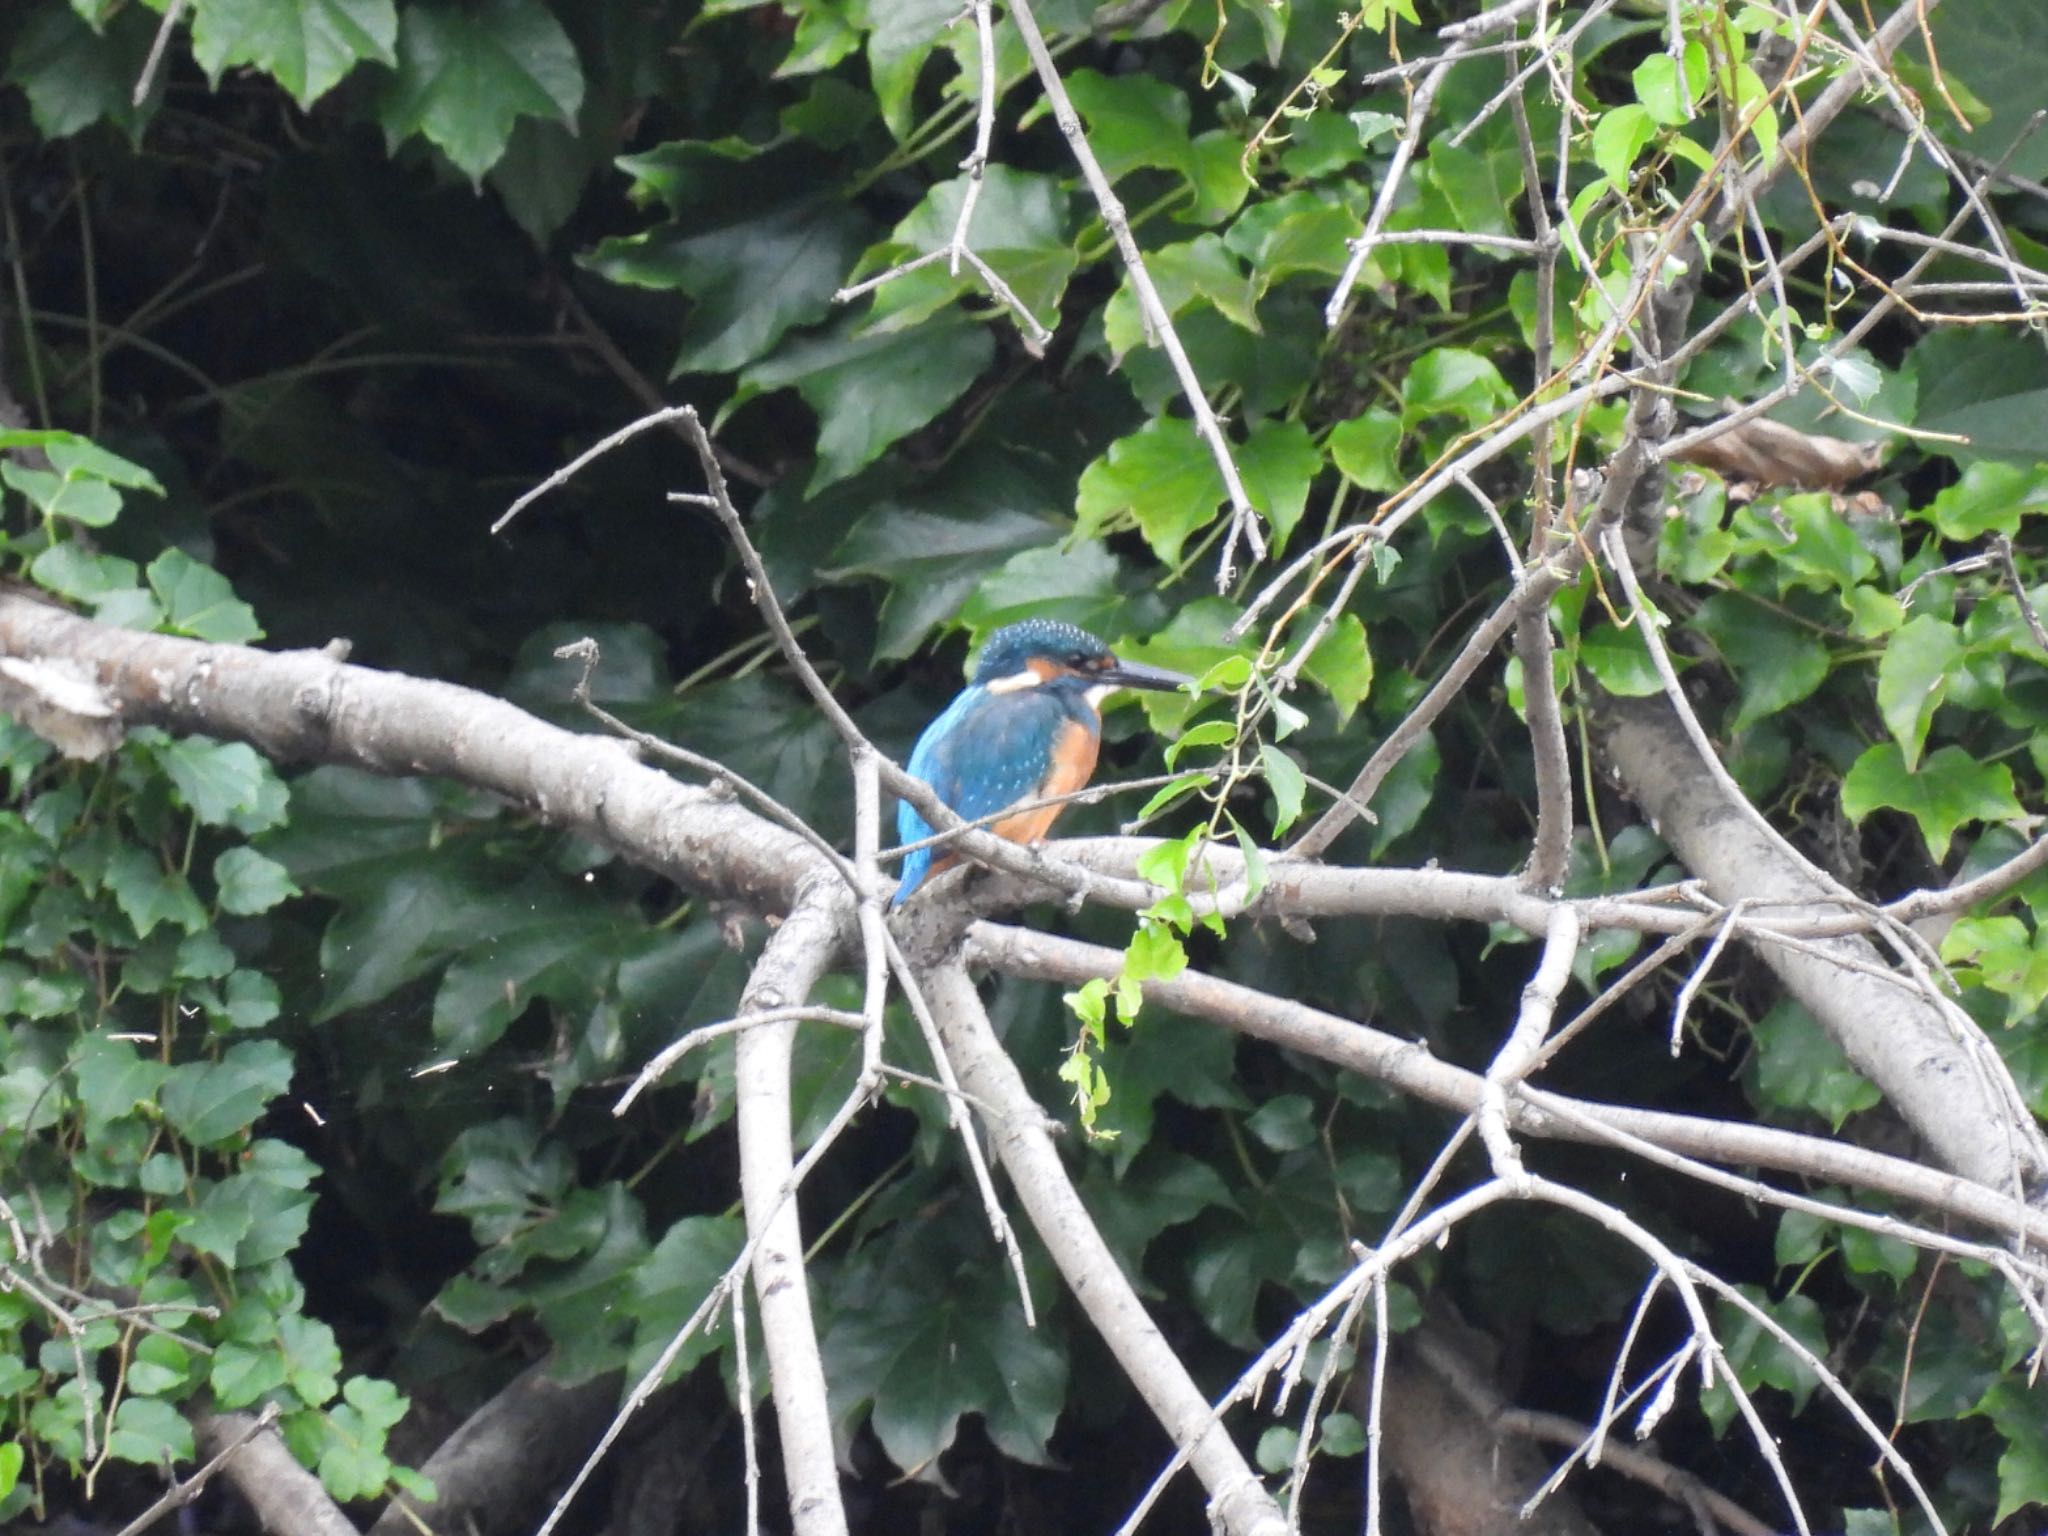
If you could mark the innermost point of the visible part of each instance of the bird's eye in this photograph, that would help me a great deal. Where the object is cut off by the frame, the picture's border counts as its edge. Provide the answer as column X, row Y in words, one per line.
column 1081, row 661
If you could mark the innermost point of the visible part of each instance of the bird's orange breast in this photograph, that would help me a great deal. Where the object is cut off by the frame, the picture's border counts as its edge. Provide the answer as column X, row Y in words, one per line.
column 1073, row 763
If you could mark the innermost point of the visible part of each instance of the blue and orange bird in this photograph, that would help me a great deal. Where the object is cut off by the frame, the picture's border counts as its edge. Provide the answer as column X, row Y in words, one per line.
column 1025, row 729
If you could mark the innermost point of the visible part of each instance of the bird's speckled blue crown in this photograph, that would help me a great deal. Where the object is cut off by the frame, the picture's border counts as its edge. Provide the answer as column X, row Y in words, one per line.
column 1014, row 644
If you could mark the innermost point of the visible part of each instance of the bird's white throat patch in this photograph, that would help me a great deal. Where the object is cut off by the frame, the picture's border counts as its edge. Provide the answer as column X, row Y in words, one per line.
column 1098, row 693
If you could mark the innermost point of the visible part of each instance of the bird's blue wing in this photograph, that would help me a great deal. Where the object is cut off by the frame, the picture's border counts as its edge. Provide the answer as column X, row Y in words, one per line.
column 986, row 752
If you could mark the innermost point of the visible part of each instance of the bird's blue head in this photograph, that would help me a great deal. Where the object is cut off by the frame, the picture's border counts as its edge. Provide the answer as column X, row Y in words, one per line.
column 1047, row 653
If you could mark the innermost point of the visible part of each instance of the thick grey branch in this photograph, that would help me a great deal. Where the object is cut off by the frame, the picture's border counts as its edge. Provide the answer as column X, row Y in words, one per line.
column 493, row 1471
column 1959, row 1099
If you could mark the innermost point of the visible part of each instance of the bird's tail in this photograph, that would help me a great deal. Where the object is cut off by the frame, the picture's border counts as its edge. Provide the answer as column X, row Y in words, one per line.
column 915, row 867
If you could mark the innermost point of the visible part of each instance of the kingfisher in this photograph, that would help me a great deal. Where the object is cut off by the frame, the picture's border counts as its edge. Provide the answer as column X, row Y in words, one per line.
column 1025, row 729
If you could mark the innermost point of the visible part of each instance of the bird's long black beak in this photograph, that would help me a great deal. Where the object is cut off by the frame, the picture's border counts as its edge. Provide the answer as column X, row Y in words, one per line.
column 1135, row 674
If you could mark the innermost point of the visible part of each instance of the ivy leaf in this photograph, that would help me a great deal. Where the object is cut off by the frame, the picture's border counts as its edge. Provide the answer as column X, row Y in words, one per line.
column 1949, row 789
column 148, row 894
column 73, row 76
column 1776, row 662
column 1799, row 1067
column 2015, row 1409
column 217, row 780
column 672, row 1282
column 1454, row 381
column 466, row 74
column 1299, row 232
column 1619, row 661
column 871, row 390
column 249, row 883
column 198, row 601
column 905, row 33
column 113, row 1079
column 72, row 572
column 1342, row 666
column 1912, row 678
column 83, row 499
column 1019, row 229
column 1367, row 450
column 1991, row 497
column 209, row 1102
column 1134, row 121
column 1162, row 477
column 151, row 1432
column 1285, row 779
column 752, row 281
column 250, row 1000
column 1278, row 463
column 1285, row 1123
column 924, row 1355
column 1618, row 138
column 306, row 45
column 1990, row 390
column 1203, row 269
column 1756, row 1356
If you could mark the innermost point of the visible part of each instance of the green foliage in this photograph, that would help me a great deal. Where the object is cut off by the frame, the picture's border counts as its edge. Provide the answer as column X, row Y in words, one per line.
column 435, row 248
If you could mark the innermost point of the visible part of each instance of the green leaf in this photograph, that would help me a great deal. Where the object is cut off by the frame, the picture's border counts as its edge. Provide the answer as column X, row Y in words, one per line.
column 1289, row 788
column 871, row 390
column 219, row 781
column 249, row 883
column 70, row 571
column 924, row 1354
column 209, row 1102
column 672, row 1282
column 198, row 601
column 1991, row 497
column 2015, row 1409
column 1138, row 120
column 1669, row 97
column 250, row 1000
column 1454, row 381
column 1756, row 1356
column 148, row 894
column 905, row 33
column 1279, row 463
column 1989, row 389
column 1618, row 138
column 1799, row 1067
column 1619, row 661
column 114, row 1079
column 73, row 76
column 1776, row 662
column 1203, row 270
column 150, row 1432
column 752, row 281
column 1950, row 789
column 1912, row 678
column 307, row 45
column 86, row 500
column 1154, row 954
column 1286, row 1123
column 1020, row 228
column 1298, row 232
column 1162, row 477
column 466, row 74
column 1342, row 666
column 1367, row 450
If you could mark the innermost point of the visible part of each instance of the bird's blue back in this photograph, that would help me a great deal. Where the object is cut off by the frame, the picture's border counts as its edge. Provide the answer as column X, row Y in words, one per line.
column 988, row 751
